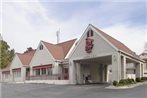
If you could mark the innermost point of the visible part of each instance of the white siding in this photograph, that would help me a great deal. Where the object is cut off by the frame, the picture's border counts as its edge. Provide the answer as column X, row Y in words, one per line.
column 41, row 57
column 100, row 47
column 16, row 63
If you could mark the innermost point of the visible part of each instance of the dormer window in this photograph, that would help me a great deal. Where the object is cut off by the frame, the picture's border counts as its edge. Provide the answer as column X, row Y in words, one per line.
column 41, row 47
column 90, row 33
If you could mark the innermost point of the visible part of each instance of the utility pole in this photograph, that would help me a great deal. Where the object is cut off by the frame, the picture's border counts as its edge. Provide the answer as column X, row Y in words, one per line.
column 58, row 36
column 145, row 47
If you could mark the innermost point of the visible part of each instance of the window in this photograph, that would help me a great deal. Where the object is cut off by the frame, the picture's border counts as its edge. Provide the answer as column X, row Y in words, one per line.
column 66, row 70
column 7, row 76
column 17, row 74
column 49, row 71
column 37, row 72
column 87, row 34
column 90, row 33
column 43, row 71
column 134, row 71
column 41, row 47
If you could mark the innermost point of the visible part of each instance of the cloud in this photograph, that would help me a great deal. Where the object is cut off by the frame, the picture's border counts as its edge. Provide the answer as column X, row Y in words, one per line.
column 19, row 29
column 25, row 23
column 133, row 37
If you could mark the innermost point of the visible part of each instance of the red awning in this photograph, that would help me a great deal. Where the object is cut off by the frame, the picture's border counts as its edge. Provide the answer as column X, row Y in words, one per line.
column 42, row 66
column 6, row 72
column 17, row 69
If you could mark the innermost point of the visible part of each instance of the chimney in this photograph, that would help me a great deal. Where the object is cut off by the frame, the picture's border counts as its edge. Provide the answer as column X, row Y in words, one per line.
column 29, row 49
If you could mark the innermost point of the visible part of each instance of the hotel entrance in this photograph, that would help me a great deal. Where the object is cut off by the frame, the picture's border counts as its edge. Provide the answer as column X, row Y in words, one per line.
column 91, row 71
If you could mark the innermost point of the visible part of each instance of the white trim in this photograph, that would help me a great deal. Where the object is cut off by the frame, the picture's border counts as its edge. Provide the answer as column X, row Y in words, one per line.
column 78, row 42
column 36, row 52
column 130, row 58
column 97, row 56
column 104, row 38
column 13, row 61
column 71, row 49
column 48, row 51
column 91, row 27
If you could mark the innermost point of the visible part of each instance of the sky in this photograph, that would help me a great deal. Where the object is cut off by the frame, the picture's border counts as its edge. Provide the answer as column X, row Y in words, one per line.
column 25, row 22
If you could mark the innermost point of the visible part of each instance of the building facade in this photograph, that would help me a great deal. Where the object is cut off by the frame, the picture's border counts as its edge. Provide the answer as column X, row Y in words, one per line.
column 95, row 58
column 102, row 58
column 144, row 57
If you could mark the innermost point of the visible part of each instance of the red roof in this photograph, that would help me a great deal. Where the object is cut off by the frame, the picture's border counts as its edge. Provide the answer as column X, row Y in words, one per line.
column 117, row 43
column 59, row 51
column 26, row 57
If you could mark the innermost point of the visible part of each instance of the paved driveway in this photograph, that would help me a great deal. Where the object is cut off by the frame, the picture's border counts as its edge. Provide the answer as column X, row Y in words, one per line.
column 54, row 91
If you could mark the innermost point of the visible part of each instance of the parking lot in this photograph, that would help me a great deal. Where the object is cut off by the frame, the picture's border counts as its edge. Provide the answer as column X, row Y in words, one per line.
column 77, row 91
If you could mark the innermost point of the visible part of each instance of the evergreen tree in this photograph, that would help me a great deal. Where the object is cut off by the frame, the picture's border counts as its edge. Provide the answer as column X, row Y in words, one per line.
column 6, row 54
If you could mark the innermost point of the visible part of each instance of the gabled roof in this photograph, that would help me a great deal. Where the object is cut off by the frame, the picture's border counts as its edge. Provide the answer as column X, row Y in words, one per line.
column 59, row 51
column 26, row 57
column 116, row 43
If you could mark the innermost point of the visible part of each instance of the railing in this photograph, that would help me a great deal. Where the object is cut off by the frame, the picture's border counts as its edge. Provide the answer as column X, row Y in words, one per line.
column 49, row 77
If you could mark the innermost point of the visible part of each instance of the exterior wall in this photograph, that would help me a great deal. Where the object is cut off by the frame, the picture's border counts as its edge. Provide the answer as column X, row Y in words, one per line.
column 109, row 77
column 100, row 47
column 16, row 63
column 16, row 76
column 41, row 57
column 58, row 82
column 130, row 71
column 144, row 57
column 131, row 74
column 93, row 70
column 6, row 77
column 116, row 67
column 0, row 76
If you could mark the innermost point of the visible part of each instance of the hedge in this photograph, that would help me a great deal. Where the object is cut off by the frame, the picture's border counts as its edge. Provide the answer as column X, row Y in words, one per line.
column 123, row 82
column 144, row 78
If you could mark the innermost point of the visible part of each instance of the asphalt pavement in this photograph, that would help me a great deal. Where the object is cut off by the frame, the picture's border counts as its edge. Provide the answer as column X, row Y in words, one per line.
column 70, row 91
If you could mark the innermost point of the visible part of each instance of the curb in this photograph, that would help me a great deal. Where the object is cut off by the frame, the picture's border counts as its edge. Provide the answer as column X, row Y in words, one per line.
column 126, row 87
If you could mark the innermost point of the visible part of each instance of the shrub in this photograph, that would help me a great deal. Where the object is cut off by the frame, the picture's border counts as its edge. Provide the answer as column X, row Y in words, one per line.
column 138, row 79
column 144, row 78
column 123, row 82
column 130, row 81
column 133, row 80
column 115, row 83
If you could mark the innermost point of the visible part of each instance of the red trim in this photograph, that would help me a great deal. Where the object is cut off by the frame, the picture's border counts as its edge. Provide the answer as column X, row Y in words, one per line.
column 17, row 69
column 6, row 72
column 42, row 66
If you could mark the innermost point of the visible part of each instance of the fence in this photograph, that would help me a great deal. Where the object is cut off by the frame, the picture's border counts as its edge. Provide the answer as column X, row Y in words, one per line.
column 49, row 77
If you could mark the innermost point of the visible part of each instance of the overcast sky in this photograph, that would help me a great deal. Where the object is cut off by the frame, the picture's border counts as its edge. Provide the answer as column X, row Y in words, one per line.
column 25, row 23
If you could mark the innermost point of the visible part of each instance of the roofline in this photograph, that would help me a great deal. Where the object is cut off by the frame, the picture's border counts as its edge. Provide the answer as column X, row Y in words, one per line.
column 131, row 56
column 66, row 41
column 115, row 46
column 78, row 42
column 96, row 30
column 41, row 42
column 70, row 51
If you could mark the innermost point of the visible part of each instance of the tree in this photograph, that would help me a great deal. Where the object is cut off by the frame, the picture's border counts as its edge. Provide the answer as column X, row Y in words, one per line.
column 6, row 54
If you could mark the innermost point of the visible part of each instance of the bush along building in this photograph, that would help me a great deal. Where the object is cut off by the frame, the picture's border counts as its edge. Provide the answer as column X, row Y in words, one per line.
column 95, row 58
